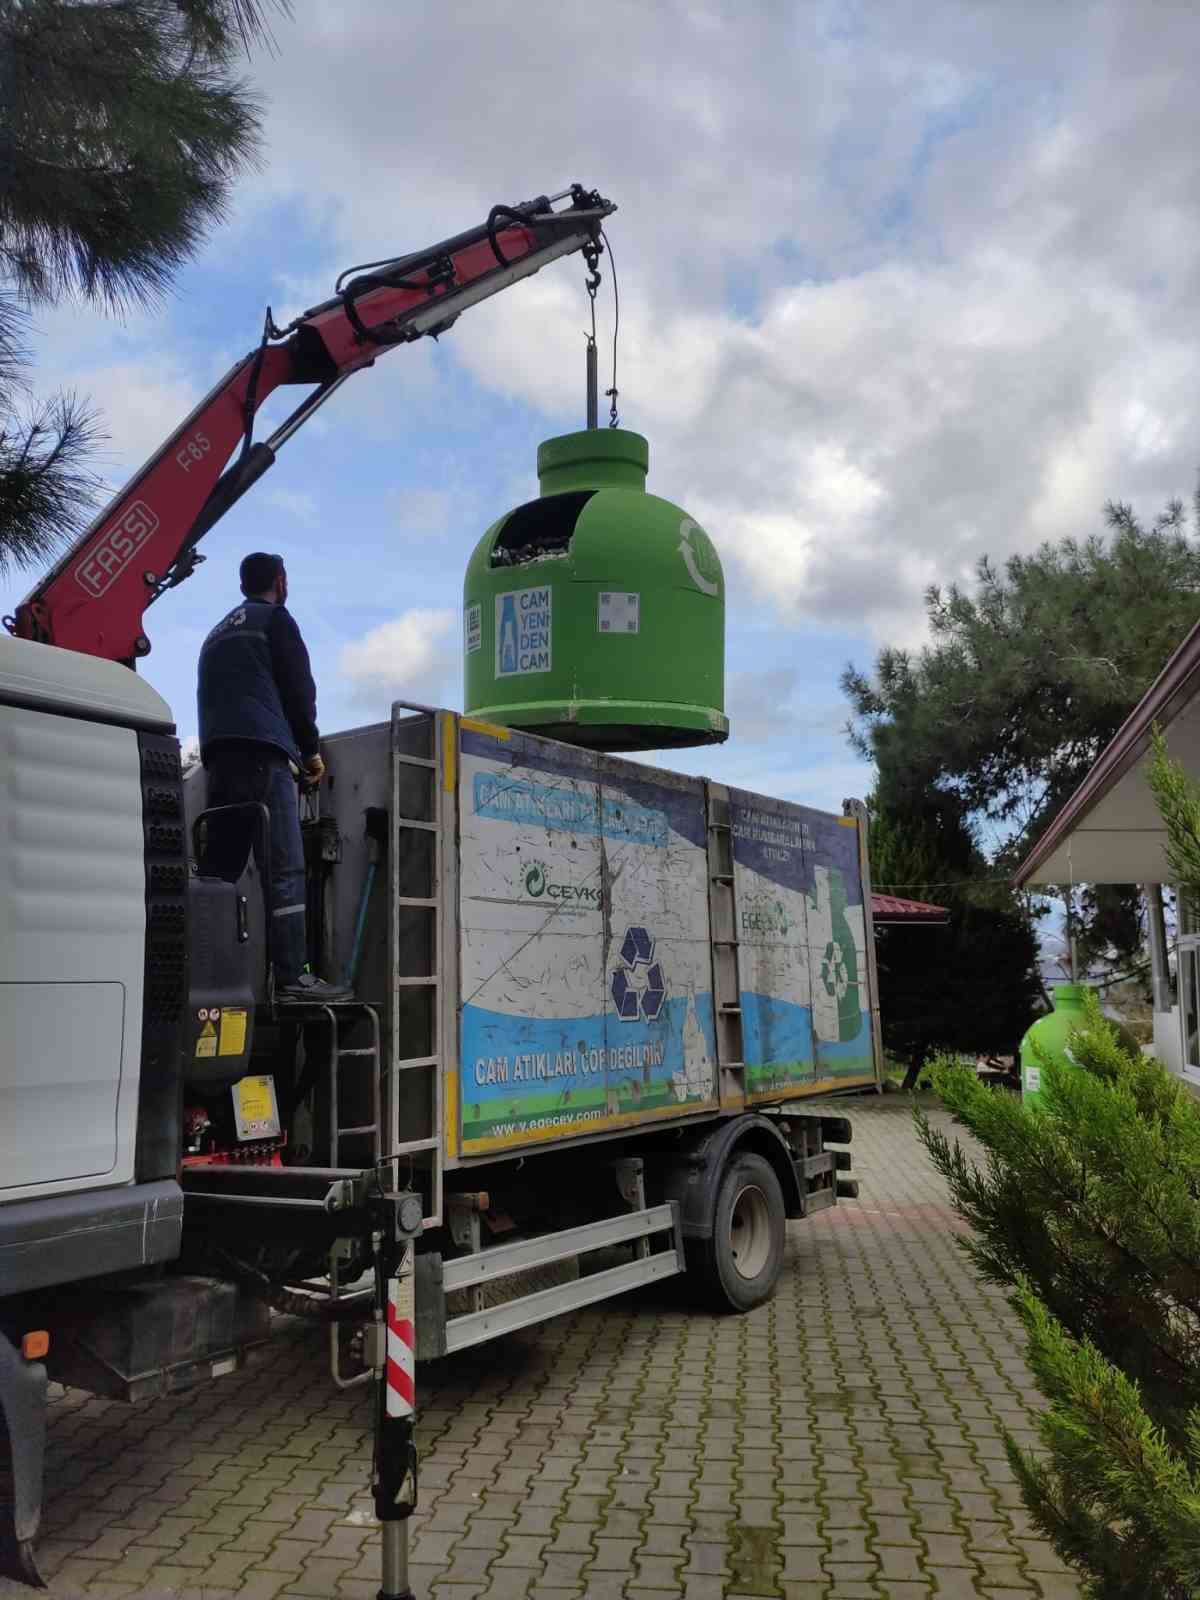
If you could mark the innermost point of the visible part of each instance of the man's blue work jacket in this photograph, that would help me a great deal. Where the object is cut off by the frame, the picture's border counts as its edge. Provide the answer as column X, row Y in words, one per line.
column 256, row 683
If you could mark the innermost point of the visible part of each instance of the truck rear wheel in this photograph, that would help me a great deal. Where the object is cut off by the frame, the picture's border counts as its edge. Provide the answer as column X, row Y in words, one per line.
column 743, row 1259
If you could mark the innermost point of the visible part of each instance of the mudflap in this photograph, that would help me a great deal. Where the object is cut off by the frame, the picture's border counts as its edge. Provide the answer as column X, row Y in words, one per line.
column 22, row 1460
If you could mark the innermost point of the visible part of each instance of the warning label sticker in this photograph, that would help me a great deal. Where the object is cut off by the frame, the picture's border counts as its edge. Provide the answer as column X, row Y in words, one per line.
column 254, row 1108
column 206, row 1044
column 473, row 628
column 233, row 1032
column 523, row 629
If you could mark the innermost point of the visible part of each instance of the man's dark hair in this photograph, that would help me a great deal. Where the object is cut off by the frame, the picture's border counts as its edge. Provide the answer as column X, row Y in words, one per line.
column 258, row 572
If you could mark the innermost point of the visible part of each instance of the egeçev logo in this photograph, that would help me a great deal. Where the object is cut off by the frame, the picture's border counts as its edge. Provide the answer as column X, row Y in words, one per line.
column 767, row 915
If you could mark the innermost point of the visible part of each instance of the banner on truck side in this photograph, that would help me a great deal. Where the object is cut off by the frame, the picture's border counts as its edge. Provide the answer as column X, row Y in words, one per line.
column 573, row 1020
column 801, row 947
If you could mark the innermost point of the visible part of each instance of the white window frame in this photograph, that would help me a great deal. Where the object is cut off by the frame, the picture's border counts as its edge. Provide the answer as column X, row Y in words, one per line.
column 1189, row 1002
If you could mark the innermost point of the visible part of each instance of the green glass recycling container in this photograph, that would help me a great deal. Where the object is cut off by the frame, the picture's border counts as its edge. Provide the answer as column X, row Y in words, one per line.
column 1052, row 1034
column 596, row 613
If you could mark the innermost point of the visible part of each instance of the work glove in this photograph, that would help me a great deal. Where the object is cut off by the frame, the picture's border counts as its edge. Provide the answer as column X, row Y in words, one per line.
column 314, row 771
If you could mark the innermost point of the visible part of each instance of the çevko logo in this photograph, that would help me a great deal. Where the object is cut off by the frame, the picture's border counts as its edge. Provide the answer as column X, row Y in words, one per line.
column 537, row 882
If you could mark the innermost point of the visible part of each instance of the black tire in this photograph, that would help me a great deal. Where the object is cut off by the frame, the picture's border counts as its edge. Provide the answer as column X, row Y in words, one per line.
column 739, row 1266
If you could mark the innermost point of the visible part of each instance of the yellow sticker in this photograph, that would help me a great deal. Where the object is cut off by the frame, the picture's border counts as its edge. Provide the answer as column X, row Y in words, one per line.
column 490, row 728
column 449, row 752
column 450, row 1111
column 233, row 1032
column 206, row 1044
column 255, row 1099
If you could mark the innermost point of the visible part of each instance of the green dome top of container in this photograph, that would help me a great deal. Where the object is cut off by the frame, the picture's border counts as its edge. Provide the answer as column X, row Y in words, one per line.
column 596, row 613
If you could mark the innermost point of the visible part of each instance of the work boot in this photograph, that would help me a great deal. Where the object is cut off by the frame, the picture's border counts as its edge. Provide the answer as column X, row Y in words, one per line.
column 315, row 990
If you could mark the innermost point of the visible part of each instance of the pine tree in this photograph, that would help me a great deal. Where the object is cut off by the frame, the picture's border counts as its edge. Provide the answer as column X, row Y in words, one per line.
column 1028, row 675
column 1178, row 799
column 1120, row 1502
column 1087, row 1209
column 970, row 985
column 930, row 997
column 122, row 126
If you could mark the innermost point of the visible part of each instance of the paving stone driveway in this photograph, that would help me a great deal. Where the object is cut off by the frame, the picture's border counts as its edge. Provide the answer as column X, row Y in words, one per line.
column 841, row 1442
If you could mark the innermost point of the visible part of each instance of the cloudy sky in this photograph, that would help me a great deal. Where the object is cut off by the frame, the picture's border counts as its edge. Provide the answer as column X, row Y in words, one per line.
column 900, row 285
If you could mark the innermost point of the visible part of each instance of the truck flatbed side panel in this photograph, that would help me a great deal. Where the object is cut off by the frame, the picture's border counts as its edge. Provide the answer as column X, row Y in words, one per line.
column 802, row 949
column 585, row 962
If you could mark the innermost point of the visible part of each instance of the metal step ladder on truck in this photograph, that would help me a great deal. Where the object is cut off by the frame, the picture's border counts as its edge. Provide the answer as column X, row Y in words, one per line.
column 590, row 995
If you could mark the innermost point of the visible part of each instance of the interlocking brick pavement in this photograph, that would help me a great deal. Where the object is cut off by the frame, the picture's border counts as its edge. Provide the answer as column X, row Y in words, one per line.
column 842, row 1442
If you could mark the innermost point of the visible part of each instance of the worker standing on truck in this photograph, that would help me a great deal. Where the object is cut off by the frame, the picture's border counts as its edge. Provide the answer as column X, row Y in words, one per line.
column 258, row 736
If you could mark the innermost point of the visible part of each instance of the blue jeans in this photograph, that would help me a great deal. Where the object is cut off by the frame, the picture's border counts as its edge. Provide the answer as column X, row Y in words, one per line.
column 235, row 777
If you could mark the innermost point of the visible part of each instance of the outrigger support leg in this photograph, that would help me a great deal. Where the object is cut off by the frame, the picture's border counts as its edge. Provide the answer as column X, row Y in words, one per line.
column 397, row 1223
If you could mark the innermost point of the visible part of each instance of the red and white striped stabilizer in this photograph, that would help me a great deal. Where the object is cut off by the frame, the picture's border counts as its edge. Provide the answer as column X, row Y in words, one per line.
column 401, row 1348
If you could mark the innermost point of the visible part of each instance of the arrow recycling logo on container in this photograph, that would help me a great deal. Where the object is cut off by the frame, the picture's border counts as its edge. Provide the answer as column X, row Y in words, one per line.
column 699, row 557
column 638, row 986
column 835, row 974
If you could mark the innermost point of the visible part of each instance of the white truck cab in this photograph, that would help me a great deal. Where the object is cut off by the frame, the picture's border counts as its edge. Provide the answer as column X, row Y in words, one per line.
column 72, row 917
column 93, row 878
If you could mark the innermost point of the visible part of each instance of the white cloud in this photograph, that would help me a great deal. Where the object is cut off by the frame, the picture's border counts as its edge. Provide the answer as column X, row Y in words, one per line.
column 139, row 386
column 138, row 402
column 776, row 704
column 422, row 512
column 868, row 437
column 298, row 504
column 822, row 781
column 410, row 658
column 898, row 287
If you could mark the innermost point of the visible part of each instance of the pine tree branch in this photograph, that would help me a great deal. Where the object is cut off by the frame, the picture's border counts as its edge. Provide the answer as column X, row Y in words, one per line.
column 47, row 492
column 217, row 26
column 1053, row 1189
column 124, row 128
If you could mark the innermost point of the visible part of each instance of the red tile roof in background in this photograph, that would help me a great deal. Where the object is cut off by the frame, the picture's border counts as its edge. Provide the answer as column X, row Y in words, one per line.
column 890, row 908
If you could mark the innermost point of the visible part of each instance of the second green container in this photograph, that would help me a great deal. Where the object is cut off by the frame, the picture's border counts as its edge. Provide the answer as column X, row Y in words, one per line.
column 1052, row 1033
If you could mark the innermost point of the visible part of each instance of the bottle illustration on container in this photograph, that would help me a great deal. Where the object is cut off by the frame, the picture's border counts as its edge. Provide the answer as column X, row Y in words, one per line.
column 506, row 636
column 695, row 1081
column 837, row 1016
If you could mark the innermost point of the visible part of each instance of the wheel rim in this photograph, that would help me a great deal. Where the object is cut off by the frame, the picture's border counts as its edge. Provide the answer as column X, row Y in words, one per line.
column 750, row 1232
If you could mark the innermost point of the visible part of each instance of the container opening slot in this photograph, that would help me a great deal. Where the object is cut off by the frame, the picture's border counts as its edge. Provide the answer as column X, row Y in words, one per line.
column 541, row 528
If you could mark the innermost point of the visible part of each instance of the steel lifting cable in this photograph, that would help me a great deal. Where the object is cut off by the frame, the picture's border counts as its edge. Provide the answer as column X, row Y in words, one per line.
column 592, row 257
column 611, row 394
column 593, row 285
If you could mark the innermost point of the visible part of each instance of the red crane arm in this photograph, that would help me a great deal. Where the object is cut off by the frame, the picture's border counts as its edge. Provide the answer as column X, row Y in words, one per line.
column 144, row 541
